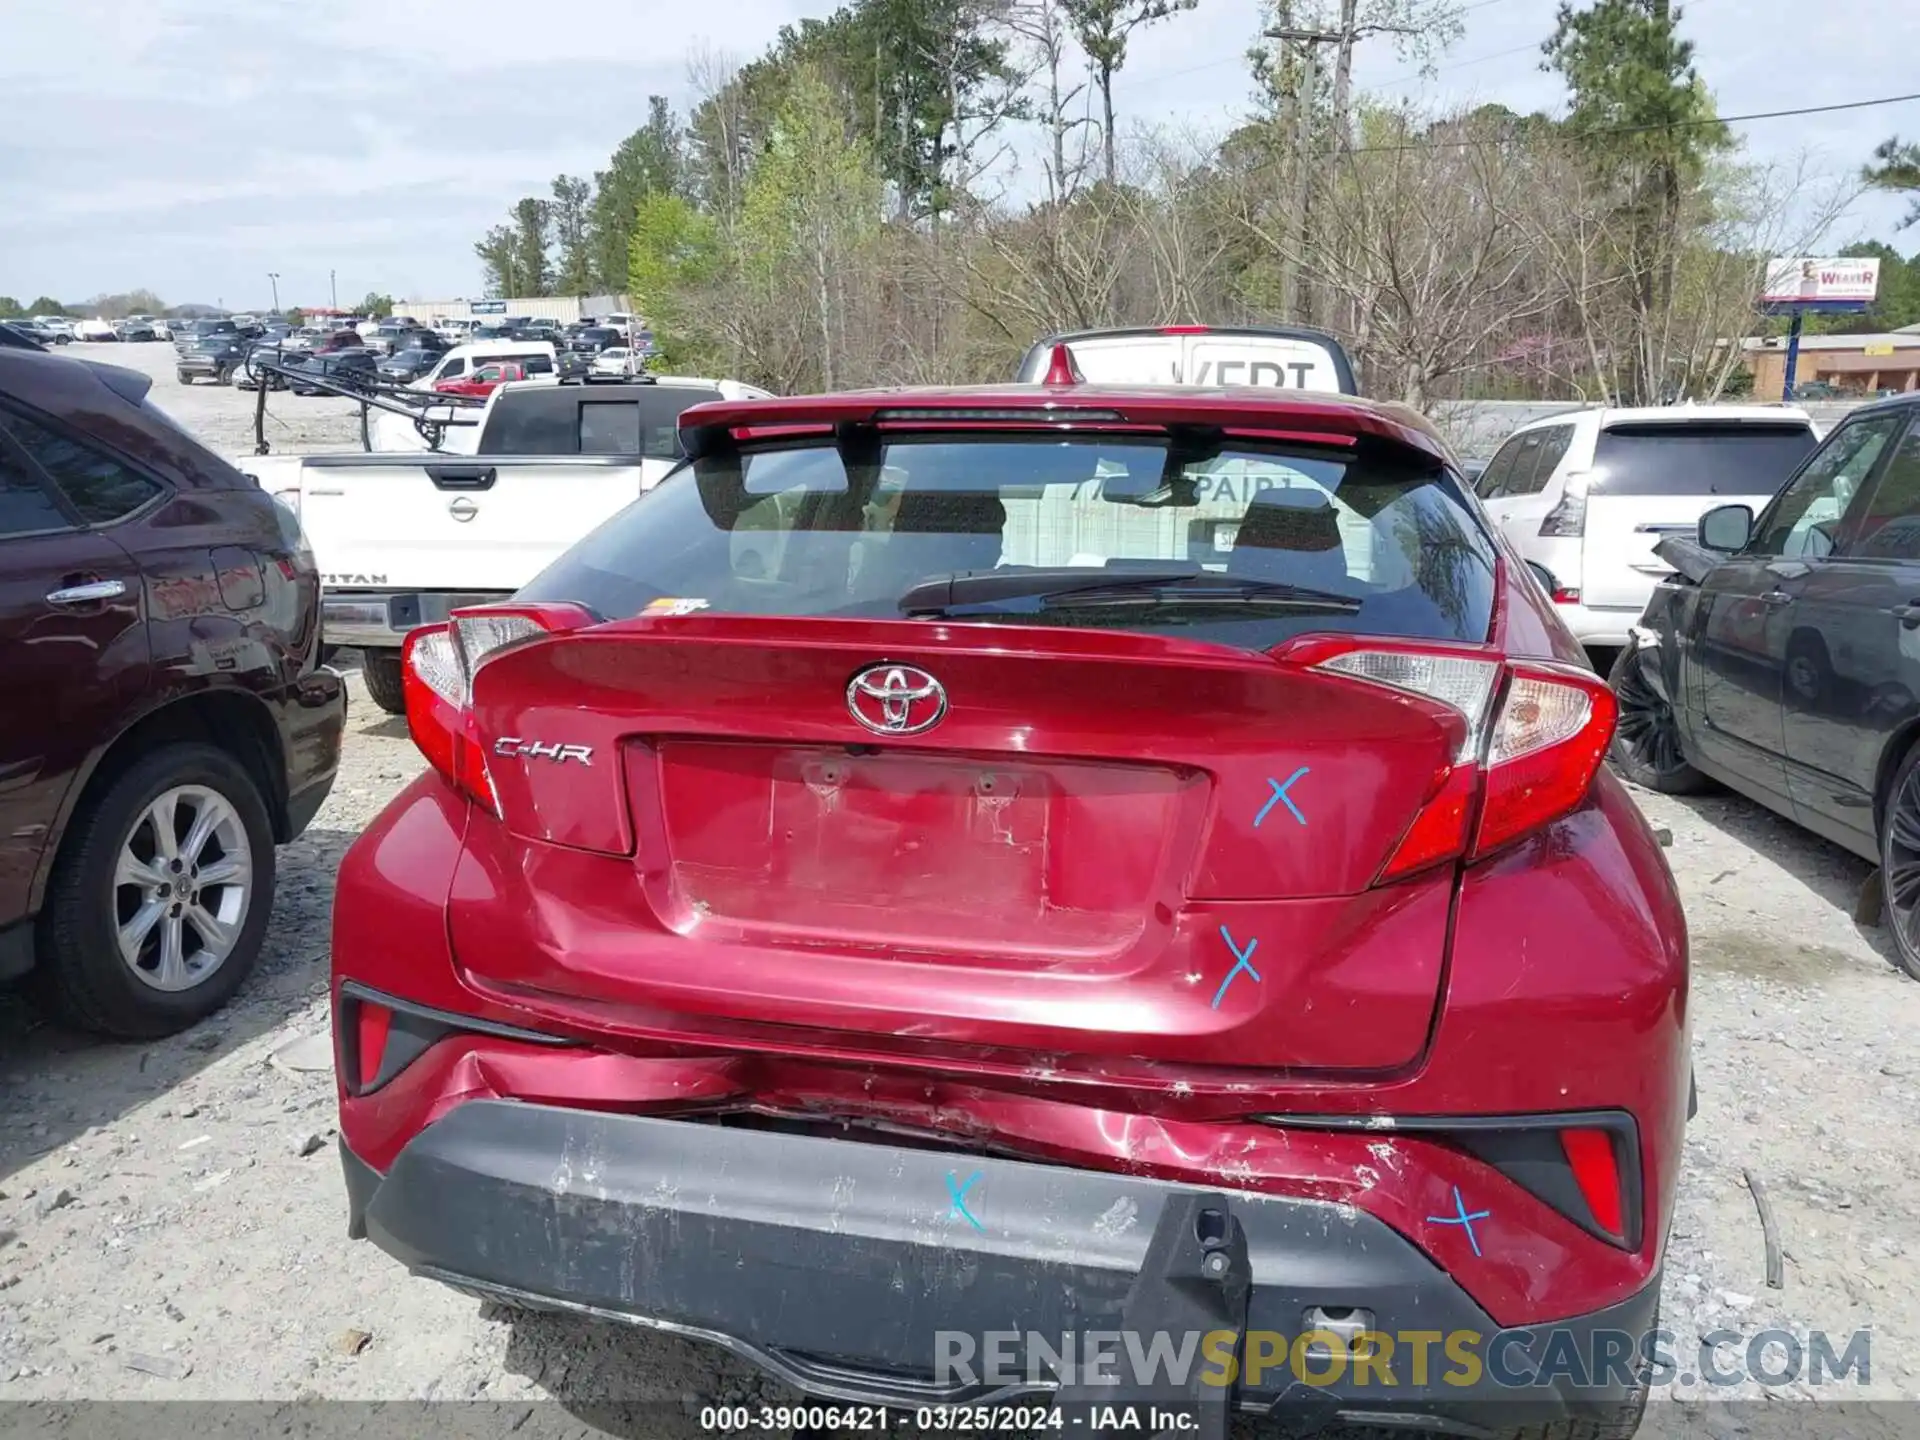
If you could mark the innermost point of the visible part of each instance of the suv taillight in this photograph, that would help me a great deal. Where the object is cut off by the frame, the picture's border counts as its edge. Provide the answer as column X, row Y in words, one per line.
column 1535, row 735
column 438, row 664
column 1568, row 519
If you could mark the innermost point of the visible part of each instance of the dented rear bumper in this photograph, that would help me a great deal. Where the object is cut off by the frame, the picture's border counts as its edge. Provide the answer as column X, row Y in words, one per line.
column 882, row 1273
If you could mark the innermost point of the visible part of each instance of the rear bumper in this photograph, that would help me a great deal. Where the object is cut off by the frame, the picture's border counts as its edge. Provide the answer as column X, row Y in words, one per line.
column 382, row 618
column 850, row 1269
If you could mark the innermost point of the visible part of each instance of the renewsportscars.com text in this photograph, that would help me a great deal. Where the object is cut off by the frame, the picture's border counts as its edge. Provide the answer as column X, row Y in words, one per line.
column 1517, row 1359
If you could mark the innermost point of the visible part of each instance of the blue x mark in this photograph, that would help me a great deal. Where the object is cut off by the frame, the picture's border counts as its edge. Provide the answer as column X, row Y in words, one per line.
column 959, row 1194
column 1279, row 795
column 1242, row 960
column 1461, row 1218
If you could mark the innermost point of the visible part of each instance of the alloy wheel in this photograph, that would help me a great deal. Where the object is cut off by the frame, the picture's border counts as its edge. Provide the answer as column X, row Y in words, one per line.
column 181, row 887
column 1900, row 873
column 1646, row 731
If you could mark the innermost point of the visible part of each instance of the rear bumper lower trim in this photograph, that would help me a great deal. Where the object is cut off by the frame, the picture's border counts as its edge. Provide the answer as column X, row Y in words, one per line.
column 835, row 1263
column 384, row 618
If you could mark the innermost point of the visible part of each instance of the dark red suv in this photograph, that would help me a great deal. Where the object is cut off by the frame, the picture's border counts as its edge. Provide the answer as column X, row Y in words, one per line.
column 952, row 875
column 164, row 719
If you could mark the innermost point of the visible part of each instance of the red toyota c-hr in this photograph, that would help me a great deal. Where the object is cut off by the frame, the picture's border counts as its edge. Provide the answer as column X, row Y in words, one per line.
column 1036, row 861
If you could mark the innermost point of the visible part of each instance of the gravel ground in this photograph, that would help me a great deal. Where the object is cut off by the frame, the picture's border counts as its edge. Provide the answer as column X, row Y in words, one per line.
column 223, row 417
column 172, row 1222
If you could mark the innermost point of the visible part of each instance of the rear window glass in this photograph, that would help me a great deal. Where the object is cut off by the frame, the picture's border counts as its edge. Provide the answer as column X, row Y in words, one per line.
column 1735, row 459
column 609, row 427
column 562, row 420
column 1383, row 543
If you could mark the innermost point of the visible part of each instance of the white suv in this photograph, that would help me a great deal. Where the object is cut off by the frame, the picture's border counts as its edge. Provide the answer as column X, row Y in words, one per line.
column 1586, row 495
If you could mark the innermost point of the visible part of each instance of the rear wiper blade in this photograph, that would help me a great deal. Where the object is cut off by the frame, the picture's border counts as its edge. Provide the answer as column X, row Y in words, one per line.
column 1061, row 586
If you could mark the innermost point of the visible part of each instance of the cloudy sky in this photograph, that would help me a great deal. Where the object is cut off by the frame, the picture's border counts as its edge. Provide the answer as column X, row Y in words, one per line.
column 192, row 146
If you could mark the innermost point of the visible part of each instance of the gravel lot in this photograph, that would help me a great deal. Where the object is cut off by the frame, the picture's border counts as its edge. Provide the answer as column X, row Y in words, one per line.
column 172, row 1223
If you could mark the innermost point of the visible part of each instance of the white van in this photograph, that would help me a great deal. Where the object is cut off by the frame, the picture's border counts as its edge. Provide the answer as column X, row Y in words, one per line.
column 389, row 432
column 536, row 357
column 1276, row 356
column 1586, row 495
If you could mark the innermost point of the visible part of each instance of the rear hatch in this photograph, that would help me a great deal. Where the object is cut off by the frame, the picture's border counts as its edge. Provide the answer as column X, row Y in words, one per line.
column 1655, row 478
column 991, row 741
column 1074, row 860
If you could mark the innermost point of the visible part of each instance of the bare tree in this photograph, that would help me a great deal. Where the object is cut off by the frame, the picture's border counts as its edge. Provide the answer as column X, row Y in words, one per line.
column 1103, row 28
column 1042, row 24
column 1420, row 244
column 1686, row 346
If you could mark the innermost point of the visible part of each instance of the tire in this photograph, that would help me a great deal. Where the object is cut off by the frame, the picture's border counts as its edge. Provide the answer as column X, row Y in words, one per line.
column 1646, row 744
column 1900, row 862
column 185, row 378
column 83, row 976
column 381, row 669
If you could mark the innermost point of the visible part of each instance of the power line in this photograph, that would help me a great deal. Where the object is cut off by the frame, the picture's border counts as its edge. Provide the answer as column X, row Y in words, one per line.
column 1599, row 130
column 1459, row 64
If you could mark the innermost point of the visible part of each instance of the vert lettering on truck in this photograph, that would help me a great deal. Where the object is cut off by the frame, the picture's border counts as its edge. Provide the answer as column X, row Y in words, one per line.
column 1257, row 372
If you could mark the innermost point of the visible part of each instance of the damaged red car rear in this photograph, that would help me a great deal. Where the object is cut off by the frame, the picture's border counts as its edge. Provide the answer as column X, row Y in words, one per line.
column 1045, row 859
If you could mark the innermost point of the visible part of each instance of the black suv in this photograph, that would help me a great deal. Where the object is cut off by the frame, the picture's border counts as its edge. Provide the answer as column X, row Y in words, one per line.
column 167, row 720
column 218, row 358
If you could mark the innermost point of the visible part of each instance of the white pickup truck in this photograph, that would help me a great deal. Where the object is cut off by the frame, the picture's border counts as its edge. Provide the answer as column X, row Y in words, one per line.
column 403, row 539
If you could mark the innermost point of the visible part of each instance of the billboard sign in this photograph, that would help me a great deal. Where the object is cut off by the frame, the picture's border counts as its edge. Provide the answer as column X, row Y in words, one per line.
column 1821, row 284
column 499, row 307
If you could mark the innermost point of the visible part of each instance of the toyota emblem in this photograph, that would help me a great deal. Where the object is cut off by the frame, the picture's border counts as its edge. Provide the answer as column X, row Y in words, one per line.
column 896, row 699
column 463, row 509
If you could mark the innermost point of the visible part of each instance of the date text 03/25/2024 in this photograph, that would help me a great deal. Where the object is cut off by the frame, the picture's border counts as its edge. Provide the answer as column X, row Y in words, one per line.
column 960, row 1419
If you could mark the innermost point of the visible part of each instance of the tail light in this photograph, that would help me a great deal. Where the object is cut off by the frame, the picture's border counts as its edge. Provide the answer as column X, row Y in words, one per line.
column 1533, row 736
column 438, row 666
column 1568, row 519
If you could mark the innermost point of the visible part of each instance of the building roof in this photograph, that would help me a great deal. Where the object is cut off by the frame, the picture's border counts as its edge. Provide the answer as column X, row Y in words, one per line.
column 1906, row 339
column 1905, row 359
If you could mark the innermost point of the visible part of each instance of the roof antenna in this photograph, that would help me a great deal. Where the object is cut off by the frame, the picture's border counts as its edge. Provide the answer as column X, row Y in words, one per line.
column 1062, row 368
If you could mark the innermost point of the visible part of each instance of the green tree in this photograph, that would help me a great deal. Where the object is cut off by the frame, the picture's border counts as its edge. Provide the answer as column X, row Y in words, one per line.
column 296, row 316
column 1896, row 167
column 532, row 222
column 1103, row 28
column 375, row 305
column 1644, row 123
column 496, row 252
column 46, row 305
column 811, row 209
column 9, row 308
column 571, row 196
column 650, row 160
column 676, row 252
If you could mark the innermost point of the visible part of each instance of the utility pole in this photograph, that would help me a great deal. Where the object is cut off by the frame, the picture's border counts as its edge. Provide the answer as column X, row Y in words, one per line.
column 273, row 278
column 1301, row 106
column 333, row 288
